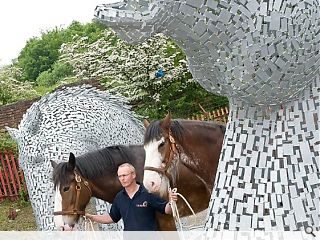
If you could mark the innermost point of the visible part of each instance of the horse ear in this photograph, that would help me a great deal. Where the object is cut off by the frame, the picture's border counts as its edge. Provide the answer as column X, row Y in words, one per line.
column 53, row 164
column 166, row 122
column 14, row 133
column 72, row 161
column 146, row 123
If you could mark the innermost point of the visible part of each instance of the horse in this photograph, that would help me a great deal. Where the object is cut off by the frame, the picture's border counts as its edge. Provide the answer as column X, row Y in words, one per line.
column 173, row 146
column 94, row 174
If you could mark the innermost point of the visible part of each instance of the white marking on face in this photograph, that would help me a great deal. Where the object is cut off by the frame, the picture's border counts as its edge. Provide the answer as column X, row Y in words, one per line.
column 152, row 180
column 57, row 219
column 61, row 220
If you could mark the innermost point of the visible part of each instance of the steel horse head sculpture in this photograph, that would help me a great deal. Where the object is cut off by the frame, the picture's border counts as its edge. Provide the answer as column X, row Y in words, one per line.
column 75, row 119
column 264, row 56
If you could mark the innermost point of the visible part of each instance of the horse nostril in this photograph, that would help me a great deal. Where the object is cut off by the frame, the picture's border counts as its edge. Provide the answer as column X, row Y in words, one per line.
column 153, row 184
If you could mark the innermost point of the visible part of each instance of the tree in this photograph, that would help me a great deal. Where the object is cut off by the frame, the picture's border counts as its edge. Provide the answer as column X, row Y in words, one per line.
column 40, row 53
column 130, row 70
column 127, row 70
column 12, row 90
column 58, row 73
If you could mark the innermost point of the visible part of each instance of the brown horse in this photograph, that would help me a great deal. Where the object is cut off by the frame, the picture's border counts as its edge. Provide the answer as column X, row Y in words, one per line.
column 182, row 145
column 94, row 174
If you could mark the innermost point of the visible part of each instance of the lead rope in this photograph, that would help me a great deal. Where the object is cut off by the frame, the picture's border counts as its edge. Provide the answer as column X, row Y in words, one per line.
column 175, row 212
column 88, row 226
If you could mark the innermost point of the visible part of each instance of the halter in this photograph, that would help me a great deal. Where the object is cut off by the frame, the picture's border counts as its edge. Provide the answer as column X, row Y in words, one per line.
column 78, row 189
column 167, row 162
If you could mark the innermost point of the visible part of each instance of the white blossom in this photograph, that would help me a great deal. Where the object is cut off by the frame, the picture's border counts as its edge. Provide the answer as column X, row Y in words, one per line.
column 128, row 70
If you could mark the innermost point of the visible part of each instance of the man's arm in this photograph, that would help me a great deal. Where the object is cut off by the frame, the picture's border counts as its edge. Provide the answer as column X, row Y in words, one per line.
column 105, row 218
column 168, row 209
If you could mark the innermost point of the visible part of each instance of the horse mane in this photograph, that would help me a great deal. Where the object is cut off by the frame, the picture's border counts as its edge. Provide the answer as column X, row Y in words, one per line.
column 94, row 164
column 154, row 130
column 212, row 124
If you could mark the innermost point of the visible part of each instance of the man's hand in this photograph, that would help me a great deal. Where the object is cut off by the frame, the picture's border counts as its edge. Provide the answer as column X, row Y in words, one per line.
column 105, row 218
column 90, row 216
column 173, row 196
column 66, row 228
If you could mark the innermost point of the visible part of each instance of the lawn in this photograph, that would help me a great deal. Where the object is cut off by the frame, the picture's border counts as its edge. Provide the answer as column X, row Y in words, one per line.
column 25, row 220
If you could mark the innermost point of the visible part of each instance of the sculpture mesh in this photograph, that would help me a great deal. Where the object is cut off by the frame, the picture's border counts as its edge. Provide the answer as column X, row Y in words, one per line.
column 75, row 119
column 264, row 56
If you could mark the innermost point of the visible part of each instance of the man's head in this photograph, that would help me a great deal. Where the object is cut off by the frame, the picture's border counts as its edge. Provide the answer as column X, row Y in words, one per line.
column 126, row 174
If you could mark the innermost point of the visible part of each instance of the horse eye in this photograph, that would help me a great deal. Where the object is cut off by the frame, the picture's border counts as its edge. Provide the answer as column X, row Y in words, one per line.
column 65, row 189
column 161, row 144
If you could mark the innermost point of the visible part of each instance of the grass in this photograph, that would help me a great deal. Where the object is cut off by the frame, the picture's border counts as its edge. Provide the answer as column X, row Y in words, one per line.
column 25, row 220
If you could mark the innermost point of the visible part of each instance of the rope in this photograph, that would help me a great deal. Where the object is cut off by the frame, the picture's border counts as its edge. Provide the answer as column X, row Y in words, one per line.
column 188, row 204
column 86, row 220
column 88, row 226
column 175, row 212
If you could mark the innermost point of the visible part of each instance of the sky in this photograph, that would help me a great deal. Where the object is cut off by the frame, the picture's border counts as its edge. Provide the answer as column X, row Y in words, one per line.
column 21, row 20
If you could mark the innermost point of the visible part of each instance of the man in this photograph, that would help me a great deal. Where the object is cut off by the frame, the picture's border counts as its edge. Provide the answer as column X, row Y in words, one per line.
column 134, row 204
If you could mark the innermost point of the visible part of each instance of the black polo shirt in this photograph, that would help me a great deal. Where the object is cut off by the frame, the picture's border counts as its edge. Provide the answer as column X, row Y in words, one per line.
column 138, row 213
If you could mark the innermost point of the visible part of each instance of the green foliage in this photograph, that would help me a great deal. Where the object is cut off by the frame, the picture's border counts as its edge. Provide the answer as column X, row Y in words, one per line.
column 129, row 70
column 5, row 94
column 6, row 142
column 181, row 100
column 40, row 53
column 23, row 198
column 90, row 51
column 93, row 31
column 57, row 74
column 12, row 90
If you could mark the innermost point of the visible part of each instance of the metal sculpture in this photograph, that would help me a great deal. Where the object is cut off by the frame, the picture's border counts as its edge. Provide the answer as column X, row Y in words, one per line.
column 75, row 119
column 264, row 56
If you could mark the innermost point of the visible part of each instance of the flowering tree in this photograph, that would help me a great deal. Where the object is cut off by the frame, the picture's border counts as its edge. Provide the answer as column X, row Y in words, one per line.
column 12, row 90
column 129, row 70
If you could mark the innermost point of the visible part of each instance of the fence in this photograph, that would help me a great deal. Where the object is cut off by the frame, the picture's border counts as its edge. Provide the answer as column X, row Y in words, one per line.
column 219, row 115
column 11, row 177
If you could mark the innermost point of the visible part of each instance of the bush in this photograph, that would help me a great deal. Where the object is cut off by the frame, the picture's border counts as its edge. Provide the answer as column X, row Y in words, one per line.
column 6, row 142
column 57, row 74
column 12, row 90
column 23, row 198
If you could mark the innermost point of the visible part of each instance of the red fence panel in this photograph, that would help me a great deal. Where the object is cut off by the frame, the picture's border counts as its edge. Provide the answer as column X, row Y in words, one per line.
column 11, row 177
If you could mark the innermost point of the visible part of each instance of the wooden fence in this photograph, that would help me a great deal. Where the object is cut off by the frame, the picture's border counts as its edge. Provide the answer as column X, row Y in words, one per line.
column 11, row 177
column 219, row 115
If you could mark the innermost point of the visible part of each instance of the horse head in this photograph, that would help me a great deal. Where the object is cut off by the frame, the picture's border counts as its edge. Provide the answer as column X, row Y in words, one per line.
column 160, row 163
column 72, row 119
column 233, row 47
column 73, row 192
